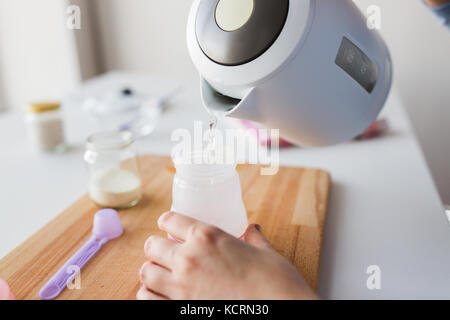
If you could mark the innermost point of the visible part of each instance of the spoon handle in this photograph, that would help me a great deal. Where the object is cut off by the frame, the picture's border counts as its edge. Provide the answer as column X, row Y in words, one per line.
column 61, row 278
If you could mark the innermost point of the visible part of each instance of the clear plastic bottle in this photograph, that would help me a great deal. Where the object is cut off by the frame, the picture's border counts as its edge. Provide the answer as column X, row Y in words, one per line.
column 210, row 193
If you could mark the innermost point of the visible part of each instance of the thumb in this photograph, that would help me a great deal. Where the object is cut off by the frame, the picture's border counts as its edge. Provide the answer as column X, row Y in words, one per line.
column 254, row 236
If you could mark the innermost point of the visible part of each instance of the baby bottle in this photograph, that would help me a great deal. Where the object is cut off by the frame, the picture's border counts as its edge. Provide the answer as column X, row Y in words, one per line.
column 210, row 193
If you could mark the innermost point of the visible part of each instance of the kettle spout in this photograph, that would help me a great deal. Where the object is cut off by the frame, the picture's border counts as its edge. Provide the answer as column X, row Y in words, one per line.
column 245, row 108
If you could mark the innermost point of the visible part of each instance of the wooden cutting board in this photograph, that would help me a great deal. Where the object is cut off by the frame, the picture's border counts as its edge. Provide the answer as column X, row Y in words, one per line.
column 290, row 206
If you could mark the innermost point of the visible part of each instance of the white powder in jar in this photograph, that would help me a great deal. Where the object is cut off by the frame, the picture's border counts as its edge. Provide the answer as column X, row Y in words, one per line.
column 115, row 188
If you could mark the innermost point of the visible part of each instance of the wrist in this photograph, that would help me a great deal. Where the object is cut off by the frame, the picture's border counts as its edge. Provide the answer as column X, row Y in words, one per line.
column 301, row 291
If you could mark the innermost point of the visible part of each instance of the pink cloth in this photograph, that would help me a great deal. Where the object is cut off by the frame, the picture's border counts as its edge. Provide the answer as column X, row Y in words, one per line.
column 263, row 140
column 5, row 293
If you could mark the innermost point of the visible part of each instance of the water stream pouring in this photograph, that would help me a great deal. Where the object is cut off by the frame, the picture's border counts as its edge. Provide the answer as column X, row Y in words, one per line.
column 311, row 68
column 106, row 227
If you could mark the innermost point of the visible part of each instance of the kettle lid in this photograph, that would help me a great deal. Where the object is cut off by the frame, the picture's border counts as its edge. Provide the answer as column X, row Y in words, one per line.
column 234, row 32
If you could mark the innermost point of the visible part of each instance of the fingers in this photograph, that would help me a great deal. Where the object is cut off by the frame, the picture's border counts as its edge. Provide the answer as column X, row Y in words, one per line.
column 254, row 236
column 179, row 226
column 156, row 278
column 161, row 251
column 145, row 294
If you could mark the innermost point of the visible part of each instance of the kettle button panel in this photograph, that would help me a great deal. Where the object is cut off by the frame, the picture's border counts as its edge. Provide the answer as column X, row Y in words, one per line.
column 235, row 32
column 357, row 65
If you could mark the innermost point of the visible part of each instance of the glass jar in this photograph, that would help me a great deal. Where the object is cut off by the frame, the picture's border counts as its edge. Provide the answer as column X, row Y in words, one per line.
column 114, row 180
column 45, row 126
column 210, row 193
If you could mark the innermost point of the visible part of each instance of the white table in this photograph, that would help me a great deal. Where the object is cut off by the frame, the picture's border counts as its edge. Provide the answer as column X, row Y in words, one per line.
column 384, row 208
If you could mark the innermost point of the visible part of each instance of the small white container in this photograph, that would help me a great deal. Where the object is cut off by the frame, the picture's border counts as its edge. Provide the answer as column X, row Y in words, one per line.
column 210, row 193
column 45, row 126
column 111, row 160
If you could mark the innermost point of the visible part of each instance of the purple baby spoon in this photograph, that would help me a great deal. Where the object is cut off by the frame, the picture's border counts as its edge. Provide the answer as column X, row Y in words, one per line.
column 107, row 226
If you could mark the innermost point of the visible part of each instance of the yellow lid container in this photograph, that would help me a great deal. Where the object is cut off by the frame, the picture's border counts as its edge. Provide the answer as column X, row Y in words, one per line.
column 43, row 107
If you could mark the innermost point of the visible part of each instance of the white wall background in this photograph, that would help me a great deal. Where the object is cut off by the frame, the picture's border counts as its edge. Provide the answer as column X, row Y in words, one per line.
column 145, row 36
column 38, row 58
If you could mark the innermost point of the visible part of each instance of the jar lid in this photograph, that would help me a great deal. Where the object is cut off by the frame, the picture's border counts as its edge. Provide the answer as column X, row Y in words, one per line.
column 43, row 107
column 109, row 140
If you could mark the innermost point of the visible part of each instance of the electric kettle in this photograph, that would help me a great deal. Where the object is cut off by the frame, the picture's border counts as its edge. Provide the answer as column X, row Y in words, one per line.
column 311, row 68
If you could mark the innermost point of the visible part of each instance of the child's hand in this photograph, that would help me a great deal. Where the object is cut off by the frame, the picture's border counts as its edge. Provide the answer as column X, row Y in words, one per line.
column 211, row 264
